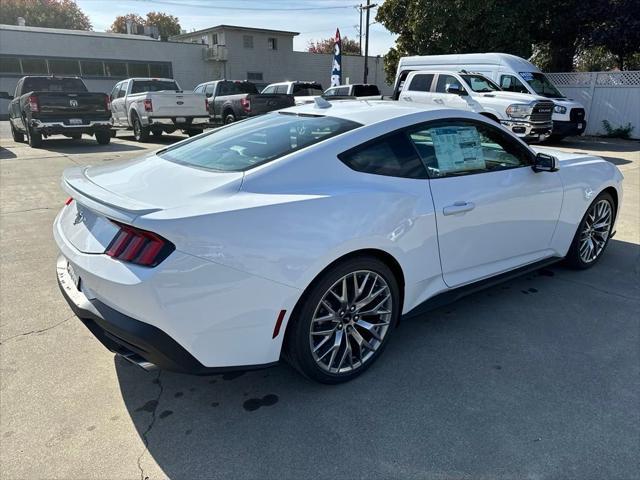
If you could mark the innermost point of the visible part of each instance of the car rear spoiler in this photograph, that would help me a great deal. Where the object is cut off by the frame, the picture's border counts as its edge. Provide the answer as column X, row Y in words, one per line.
column 76, row 183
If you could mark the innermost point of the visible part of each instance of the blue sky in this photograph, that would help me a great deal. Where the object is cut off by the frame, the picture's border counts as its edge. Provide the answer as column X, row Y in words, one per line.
column 314, row 19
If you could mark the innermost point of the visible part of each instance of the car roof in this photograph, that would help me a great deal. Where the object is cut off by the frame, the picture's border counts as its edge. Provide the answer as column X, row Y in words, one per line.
column 361, row 111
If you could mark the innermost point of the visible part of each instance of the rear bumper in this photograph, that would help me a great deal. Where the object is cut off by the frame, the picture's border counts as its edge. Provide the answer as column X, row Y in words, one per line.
column 177, row 122
column 568, row 128
column 57, row 127
column 136, row 341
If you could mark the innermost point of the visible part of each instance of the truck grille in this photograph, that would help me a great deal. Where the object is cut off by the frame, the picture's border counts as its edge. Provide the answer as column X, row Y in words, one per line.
column 542, row 112
column 577, row 115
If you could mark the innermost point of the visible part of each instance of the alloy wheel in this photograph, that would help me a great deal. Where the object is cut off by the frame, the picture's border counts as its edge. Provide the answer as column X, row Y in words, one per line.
column 350, row 322
column 595, row 232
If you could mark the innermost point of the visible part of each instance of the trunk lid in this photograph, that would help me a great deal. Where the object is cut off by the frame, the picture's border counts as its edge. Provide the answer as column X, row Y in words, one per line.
column 126, row 191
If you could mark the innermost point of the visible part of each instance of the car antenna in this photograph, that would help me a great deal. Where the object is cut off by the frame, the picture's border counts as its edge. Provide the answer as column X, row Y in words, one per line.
column 321, row 103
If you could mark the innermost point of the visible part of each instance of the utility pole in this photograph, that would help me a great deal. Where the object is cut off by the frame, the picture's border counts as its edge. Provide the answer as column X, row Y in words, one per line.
column 360, row 30
column 368, row 8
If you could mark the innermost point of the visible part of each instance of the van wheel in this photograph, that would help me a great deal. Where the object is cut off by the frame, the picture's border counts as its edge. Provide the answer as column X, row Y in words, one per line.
column 34, row 138
column 17, row 136
column 103, row 137
column 140, row 133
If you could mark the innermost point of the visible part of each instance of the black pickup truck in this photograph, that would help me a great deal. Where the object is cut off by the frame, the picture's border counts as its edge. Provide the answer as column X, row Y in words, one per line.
column 47, row 105
column 231, row 100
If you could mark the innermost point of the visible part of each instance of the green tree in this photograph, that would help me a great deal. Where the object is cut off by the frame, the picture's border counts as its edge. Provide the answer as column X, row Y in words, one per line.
column 349, row 47
column 434, row 27
column 44, row 13
column 168, row 25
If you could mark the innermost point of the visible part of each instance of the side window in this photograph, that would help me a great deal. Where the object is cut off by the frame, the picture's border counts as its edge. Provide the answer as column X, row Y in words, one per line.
column 209, row 90
column 392, row 156
column 114, row 90
column 445, row 81
column 342, row 91
column 512, row 84
column 462, row 148
column 421, row 83
column 269, row 90
column 281, row 89
column 123, row 89
column 330, row 92
column 199, row 89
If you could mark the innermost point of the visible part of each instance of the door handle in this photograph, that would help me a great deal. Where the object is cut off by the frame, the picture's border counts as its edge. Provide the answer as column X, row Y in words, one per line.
column 458, row 207
column 438, row 100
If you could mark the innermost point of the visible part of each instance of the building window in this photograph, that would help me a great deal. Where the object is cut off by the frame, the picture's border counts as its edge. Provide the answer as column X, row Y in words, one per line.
column 116, row 69
column 138, row 70
column 214, row 39
column 247, row 41
column 9, row 65
column 272, row 43
column 34, row 65
column 254, row 76
column 92, row 69
column 160, row 70
column 64, row 67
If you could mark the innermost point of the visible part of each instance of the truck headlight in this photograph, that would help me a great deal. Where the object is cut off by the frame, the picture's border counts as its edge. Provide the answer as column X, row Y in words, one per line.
column 560, row 109
column 519, row 110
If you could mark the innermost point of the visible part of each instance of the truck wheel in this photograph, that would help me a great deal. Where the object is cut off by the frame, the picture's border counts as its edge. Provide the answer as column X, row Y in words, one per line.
column 17, row 136
column 103, row 137
column 140, row 133
column 34, row 138
column 192, row 132
column 229, row 117
column 157, row 133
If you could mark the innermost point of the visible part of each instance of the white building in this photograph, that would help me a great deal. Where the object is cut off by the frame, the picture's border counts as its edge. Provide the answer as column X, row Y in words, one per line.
column 102, row 59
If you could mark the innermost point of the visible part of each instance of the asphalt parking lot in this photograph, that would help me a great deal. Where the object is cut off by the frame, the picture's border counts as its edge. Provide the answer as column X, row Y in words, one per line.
column 538, row 378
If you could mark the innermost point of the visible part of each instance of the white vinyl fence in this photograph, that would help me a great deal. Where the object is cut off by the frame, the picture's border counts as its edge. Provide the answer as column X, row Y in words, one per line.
column 612, row 96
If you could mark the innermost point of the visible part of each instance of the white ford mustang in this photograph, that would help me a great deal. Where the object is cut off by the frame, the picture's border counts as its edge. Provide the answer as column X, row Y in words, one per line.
column 307, row 233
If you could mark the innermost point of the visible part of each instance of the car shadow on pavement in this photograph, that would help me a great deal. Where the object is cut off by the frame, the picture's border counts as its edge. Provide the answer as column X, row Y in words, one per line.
column 85, row 145
column 6, row 154
column 510, row 382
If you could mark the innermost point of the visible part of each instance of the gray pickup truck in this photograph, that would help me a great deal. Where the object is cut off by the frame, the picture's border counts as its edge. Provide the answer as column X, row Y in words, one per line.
column 231, row 100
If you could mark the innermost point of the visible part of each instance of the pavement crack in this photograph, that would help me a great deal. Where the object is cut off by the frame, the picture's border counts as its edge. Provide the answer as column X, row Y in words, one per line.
column 28, row 210
column 145, row 434
column 598, row 289
column 32, row 332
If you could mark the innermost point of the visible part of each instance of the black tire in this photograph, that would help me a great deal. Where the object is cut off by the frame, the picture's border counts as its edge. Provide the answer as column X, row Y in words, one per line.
column 574, row 259
column 16, row 135
column 157, row 133
column 34, row 138
column 113, row 133
column 140, row 132
column 298, row 349
column 192, row 132
column 103, row 137
column 555, row 138
column 75, row 136
column 228, row 117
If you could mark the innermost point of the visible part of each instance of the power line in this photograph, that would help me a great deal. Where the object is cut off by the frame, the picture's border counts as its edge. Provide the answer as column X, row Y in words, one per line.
column 237, row 8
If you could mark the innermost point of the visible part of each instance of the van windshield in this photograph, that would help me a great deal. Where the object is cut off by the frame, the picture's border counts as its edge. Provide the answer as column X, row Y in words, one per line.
column 541, row 84
column 247, row 144
column 480, row 84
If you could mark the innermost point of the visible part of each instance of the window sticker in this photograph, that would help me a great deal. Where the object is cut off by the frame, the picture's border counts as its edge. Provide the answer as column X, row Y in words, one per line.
column 528, row 76
column 458, row 149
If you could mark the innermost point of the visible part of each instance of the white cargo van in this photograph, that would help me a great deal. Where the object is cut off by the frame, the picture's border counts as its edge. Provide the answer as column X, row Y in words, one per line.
column 513, row 74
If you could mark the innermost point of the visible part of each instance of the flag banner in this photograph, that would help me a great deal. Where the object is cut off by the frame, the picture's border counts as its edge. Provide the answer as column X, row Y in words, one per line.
column 336, row 70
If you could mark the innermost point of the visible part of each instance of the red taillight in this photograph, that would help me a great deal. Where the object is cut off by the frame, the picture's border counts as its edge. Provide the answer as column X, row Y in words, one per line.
column 107, row 103
column 34, row 104
column 139, row 246
column 206, row 104
column 148, row 105
column 245, row 103
column 68, row 201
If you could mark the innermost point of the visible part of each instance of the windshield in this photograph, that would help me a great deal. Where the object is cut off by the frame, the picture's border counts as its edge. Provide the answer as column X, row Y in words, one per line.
column 307, row 89
column 48, row 84
column 255, row 141
column 541, row 84
column 140, row 86
column 480, row 84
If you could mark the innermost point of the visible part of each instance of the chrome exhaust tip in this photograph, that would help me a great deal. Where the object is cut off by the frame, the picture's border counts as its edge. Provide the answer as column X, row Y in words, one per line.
column 139, row 361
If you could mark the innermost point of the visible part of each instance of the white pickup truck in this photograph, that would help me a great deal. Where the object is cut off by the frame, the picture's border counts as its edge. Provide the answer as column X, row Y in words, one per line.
column 528, row 116
column 157, row 105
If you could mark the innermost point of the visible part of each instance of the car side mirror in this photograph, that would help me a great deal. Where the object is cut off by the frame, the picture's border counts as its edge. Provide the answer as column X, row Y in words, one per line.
column 6, row 96
column 456, row 89
column 545, row 163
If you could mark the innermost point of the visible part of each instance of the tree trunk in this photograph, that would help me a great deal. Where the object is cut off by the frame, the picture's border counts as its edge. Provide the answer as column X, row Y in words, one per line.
column 561, row 57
